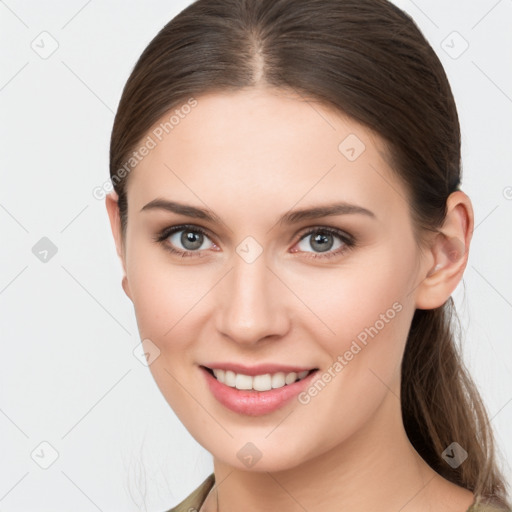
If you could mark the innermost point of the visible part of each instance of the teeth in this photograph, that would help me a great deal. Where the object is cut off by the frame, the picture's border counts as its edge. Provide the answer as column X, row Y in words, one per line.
column 258, row 382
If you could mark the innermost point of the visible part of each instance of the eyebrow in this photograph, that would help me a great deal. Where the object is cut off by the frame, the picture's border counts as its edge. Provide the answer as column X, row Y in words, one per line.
column 291, row 217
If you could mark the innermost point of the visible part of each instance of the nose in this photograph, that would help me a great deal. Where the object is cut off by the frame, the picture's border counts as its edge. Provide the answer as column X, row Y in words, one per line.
column 252, row 303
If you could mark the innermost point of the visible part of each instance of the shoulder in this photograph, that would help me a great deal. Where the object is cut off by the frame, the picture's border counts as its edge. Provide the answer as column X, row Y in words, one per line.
column 193, row 502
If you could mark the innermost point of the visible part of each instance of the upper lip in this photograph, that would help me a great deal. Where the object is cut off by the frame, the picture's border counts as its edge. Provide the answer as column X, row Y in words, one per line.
column 260, row 369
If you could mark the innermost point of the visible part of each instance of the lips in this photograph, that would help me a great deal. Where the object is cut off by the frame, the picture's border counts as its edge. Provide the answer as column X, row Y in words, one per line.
column 252, row 402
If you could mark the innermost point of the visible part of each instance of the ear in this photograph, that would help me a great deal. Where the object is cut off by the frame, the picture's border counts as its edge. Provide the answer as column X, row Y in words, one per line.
column 111, row 203
column 448, row 253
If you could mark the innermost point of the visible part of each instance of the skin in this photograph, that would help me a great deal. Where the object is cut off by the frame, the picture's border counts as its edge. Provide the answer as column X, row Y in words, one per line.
column 250, row 157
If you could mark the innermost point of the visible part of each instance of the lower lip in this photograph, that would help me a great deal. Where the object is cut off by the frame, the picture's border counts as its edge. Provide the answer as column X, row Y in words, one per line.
column 254, row 403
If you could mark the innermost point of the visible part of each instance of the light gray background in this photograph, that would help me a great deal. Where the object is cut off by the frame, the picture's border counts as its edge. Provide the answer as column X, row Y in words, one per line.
column 68, row 373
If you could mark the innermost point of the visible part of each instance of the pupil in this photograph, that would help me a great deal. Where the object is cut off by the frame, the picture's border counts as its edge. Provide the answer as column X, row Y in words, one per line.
column 323, row 240
column 189, row 237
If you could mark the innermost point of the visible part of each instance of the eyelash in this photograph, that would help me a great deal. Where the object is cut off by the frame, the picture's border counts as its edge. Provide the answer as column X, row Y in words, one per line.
column 348, row 241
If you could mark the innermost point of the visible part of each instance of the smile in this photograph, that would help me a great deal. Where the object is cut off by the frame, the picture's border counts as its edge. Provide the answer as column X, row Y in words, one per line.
column 257, row 394
column 264, row 382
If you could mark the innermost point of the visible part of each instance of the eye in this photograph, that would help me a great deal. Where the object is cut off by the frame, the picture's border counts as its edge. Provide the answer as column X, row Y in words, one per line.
column 323, row 239
column 184, row 240
column 189, row 240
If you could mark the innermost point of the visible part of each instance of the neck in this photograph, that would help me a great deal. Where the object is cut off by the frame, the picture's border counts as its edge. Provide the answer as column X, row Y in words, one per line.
column 376, row 469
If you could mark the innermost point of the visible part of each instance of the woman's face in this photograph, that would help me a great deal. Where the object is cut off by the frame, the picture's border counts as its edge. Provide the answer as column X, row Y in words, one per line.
column 261, row 284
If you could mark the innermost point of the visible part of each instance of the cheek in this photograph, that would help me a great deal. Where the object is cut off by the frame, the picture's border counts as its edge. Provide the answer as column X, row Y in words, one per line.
column 171, row 302
column 370, row 317
column 349, row 301
column 167, row 303
column 164, row 302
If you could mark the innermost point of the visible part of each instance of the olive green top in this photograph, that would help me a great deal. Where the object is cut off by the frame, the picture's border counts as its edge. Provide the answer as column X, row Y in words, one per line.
column 194, row 501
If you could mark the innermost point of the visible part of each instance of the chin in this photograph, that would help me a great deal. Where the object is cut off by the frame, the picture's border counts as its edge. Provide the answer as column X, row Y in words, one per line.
column 252, row 458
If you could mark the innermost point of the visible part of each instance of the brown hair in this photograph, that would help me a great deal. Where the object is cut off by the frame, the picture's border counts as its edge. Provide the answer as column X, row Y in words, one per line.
column 368, row 60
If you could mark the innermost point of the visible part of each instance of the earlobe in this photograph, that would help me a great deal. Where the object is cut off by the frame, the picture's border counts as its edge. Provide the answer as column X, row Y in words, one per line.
column 126, row 287
column 449, row 250
column 111, row 203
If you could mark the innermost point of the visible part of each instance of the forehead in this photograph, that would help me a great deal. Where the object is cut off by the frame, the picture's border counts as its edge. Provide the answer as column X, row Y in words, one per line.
column 263, row 144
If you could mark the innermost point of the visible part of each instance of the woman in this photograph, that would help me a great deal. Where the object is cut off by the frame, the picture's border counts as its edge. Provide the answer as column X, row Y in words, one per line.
column 288, row 213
